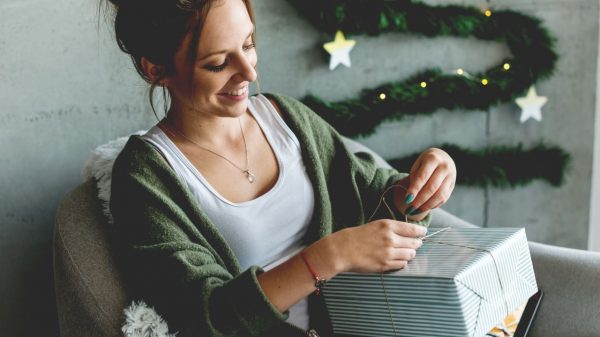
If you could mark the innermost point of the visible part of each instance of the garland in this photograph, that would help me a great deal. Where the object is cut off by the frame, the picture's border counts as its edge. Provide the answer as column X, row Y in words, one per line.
column 501, row 166
column 533, row 59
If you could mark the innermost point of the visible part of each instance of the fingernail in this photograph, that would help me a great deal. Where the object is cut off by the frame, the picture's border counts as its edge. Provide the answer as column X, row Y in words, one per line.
column 409, row 198
column 409, row 210
column 426, row 231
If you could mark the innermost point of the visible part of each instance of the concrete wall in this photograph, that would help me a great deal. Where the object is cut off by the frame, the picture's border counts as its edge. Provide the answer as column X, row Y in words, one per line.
column 66, row 88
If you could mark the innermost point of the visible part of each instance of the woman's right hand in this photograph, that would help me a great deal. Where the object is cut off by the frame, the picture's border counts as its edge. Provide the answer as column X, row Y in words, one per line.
column 377, row 246
column 374, row 247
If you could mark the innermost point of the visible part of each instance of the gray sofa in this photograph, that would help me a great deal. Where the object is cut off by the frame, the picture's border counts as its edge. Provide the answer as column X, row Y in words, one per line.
column 90, row 295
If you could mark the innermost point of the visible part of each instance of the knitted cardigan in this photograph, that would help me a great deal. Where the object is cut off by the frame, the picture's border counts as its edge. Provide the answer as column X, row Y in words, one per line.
column 173, row 256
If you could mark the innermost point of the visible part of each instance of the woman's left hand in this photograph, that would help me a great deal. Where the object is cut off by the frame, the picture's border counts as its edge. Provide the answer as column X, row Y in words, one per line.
column 429, row 185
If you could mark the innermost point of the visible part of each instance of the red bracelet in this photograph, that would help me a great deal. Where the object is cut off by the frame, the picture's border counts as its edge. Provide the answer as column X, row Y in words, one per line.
column 319, row 282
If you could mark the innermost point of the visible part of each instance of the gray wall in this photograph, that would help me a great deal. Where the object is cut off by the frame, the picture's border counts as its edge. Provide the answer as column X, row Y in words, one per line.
column 66, row 88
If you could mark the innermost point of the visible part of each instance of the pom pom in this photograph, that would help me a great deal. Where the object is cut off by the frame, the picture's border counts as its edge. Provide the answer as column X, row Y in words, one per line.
column 142, row 321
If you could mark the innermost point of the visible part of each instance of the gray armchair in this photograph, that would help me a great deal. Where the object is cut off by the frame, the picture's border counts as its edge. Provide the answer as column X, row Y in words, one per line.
column 91, row 297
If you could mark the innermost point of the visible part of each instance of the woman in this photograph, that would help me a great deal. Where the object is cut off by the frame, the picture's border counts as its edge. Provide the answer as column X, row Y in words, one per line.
column 232, row 210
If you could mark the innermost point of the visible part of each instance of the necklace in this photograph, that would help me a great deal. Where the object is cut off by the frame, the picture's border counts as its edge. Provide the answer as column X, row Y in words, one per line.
column 251, row 178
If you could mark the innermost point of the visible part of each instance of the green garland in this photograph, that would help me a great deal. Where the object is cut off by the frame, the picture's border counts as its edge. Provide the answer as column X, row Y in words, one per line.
column 533, row 58
column 501, row 167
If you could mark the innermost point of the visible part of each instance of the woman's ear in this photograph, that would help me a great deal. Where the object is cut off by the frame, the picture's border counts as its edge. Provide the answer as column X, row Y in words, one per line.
column 154, row 72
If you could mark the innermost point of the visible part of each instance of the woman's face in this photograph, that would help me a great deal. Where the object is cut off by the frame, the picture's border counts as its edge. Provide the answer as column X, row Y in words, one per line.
column 224, row 65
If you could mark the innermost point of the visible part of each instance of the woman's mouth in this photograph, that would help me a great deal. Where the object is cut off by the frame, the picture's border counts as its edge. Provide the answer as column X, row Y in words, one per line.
column 238, row 92
column 236, row 95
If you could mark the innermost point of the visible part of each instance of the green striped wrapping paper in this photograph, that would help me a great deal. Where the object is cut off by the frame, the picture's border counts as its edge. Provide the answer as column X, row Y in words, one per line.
column 446, row 290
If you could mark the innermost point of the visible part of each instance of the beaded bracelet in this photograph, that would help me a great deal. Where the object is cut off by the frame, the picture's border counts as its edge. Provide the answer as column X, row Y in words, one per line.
column 319, row 282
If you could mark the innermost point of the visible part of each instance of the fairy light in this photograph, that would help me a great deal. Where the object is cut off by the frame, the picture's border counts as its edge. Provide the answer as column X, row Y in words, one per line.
column 462, row 72
column 382, row 96
column 487, row 13
column 506, row 66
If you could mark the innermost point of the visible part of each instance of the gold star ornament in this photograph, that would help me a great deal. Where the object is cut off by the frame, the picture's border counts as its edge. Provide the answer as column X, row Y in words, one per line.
column 339, row 49
column 531, row 105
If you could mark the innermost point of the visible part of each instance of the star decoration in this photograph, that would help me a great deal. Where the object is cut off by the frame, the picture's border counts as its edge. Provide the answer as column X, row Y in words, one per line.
column 339, row 49
column 531, row 105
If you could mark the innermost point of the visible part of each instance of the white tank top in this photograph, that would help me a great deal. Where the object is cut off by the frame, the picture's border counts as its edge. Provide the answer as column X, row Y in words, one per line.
column 268, row 230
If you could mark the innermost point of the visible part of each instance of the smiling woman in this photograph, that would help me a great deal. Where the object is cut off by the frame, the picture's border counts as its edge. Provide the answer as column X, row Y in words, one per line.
column 163, row 39
column 220, row 64
column 232, row 210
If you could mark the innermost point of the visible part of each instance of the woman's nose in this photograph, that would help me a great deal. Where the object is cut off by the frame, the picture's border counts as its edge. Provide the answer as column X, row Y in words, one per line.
column 246, row 68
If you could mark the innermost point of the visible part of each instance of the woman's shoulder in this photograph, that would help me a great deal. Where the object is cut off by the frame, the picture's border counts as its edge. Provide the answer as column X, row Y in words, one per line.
column 306, row 124
column 135, row 149
column 138, row 157
column 290, row 108
column 267, row 97
column 278, row 100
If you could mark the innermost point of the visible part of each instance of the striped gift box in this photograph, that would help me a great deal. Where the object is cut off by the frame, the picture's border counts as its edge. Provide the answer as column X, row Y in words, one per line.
column 461, row 283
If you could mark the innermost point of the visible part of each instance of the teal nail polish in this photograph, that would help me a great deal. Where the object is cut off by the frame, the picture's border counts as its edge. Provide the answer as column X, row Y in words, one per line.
column 409, row 198
column 426, row 231
column 409, row 210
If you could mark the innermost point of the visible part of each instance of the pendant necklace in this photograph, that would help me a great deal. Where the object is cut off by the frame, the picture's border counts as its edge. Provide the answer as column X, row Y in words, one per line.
column 251, row 178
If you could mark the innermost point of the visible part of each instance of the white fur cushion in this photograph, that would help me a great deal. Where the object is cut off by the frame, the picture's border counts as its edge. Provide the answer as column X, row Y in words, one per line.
column 99, row 166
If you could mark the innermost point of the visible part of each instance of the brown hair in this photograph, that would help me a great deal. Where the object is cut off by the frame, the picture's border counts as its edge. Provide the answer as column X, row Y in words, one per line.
column 155, row 30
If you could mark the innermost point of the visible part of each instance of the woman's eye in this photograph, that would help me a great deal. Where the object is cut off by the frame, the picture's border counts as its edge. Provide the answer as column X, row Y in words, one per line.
column 218, row 68
column 223, row 65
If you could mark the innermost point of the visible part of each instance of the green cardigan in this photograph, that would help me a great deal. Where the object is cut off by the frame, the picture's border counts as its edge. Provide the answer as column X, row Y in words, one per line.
column 173, row 257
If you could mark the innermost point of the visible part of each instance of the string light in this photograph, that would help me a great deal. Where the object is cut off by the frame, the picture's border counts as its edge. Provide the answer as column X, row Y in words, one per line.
column 382, row 96
column 487, row 13
column 484, row 81
column 461, row 72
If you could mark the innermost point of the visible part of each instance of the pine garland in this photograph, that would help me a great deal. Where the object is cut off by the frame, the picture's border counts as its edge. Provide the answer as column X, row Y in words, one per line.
column 501, row 166
column 532, row 48
column 533, row 58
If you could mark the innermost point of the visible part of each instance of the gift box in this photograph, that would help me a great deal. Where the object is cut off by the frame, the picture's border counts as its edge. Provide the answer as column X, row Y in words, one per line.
column 461, row 283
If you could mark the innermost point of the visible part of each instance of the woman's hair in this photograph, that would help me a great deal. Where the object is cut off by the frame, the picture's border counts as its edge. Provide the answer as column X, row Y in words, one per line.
column 155, row 29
